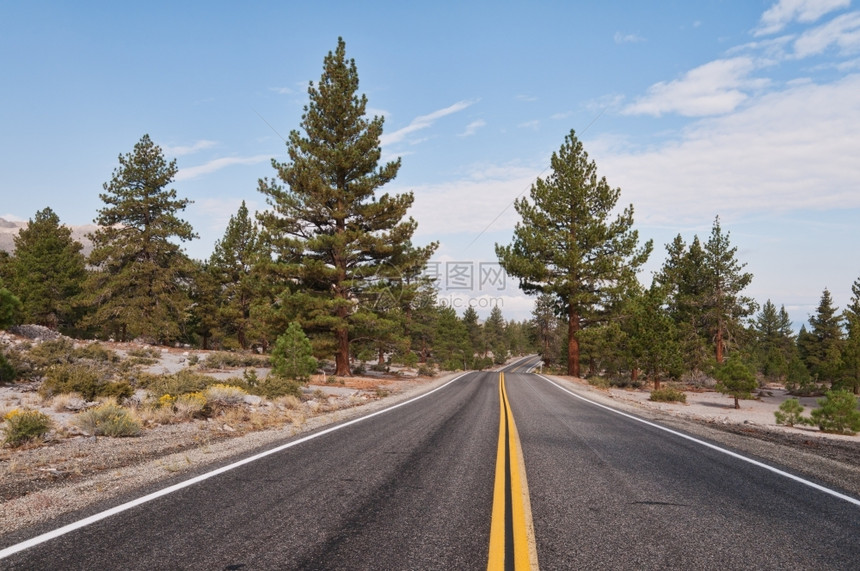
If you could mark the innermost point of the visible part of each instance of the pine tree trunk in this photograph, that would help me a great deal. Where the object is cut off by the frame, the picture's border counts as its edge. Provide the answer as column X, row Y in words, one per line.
column 719, row 350
column 572, row 343
column 341, row 358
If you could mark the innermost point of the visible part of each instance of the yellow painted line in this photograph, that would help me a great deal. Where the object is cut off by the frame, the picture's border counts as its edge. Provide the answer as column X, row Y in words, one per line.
column 497, row 525
column 525, row 550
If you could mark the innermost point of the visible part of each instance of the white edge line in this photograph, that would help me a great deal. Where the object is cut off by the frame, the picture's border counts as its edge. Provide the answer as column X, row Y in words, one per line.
column 818, row 487
column 13, row 549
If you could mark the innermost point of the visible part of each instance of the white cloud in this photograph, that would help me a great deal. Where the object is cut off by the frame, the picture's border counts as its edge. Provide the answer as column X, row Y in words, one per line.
column 534, row 125
column 423, row 122
column 473, row 127
column 282, row 90
column 627, row 38
column 182, row 150
column 713, row 88
column 785, row 12
column 527, row 98
column 790, row 150
column 477, row 202
column 843, row 32
column 218, row 164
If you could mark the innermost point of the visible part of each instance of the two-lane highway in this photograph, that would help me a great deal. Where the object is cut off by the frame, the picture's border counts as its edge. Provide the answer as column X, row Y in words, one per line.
column 447, row 481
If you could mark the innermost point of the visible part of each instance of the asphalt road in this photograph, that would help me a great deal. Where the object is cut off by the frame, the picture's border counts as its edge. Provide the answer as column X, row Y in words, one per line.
column 413, row 489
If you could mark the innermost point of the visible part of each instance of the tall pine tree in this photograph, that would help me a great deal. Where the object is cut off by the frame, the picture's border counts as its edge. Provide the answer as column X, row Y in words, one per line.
column 139, row 283
column 333, row 237
column 821, row 347
column 567, row 244
column 851, row 351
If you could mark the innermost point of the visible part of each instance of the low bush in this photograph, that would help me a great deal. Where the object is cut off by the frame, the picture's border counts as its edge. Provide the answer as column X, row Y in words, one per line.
column 837, row 412
column 84, row 380
column 599, row 382
column 97, row 352
column 179, row 383
column 48, row 353
column 790, row 413
column 224, row 395
column 7, row 370
column 24, row 425
column 426, row 370
column 668, row 394
column 108, row 419
column 230, row 360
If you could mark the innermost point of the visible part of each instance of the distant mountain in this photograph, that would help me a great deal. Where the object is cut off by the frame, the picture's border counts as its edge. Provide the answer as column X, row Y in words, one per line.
column 9, row 229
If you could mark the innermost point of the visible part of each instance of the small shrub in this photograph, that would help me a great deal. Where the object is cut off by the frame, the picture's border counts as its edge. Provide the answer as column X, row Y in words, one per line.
column 179, row 383
column 108, row 419
column 426, row 370
column 668, row 394
column 274, row 386
column 84, row 380
column 837, row 412
column 225, row 395
column 97, row 352
column 190, row 405
column 24, row 425
column 145, row 353
column 790, row 413
column 599, row 382
column 7, row 370
column 57, row 352
column 230, row 360
column 193, row 359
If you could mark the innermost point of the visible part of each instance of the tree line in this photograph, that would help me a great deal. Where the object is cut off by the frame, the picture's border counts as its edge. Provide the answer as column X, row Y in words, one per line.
column 333, row 255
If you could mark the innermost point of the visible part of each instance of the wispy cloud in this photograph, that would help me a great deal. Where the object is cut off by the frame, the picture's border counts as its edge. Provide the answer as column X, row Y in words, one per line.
column 534, row 125
column 842, row 32
column 714, row 88
column 182, row 150
column 189, row 173
column 282, row 90
column 527, row 98
column 621, row 38
column 472, row 128
column 784, row 12
column 423, row 122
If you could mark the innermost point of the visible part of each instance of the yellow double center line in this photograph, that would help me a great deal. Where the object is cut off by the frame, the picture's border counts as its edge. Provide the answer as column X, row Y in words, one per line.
column 510, row 476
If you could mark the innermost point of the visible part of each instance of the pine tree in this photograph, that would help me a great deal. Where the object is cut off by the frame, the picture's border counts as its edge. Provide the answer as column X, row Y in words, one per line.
column 476, row 333
column 233, row 264
column 566, row 245
column 775, row 340
column 451, row 340
column 851, row 353
column 140, row 278
column 292, row 357
column 494, row 333
column 652, row 337
column 333, row 236
column 725, row 307
column 821, row 346
column 48, row 271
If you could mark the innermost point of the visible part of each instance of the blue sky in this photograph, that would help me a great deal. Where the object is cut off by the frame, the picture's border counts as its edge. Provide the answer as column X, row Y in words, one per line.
column 746, row 109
